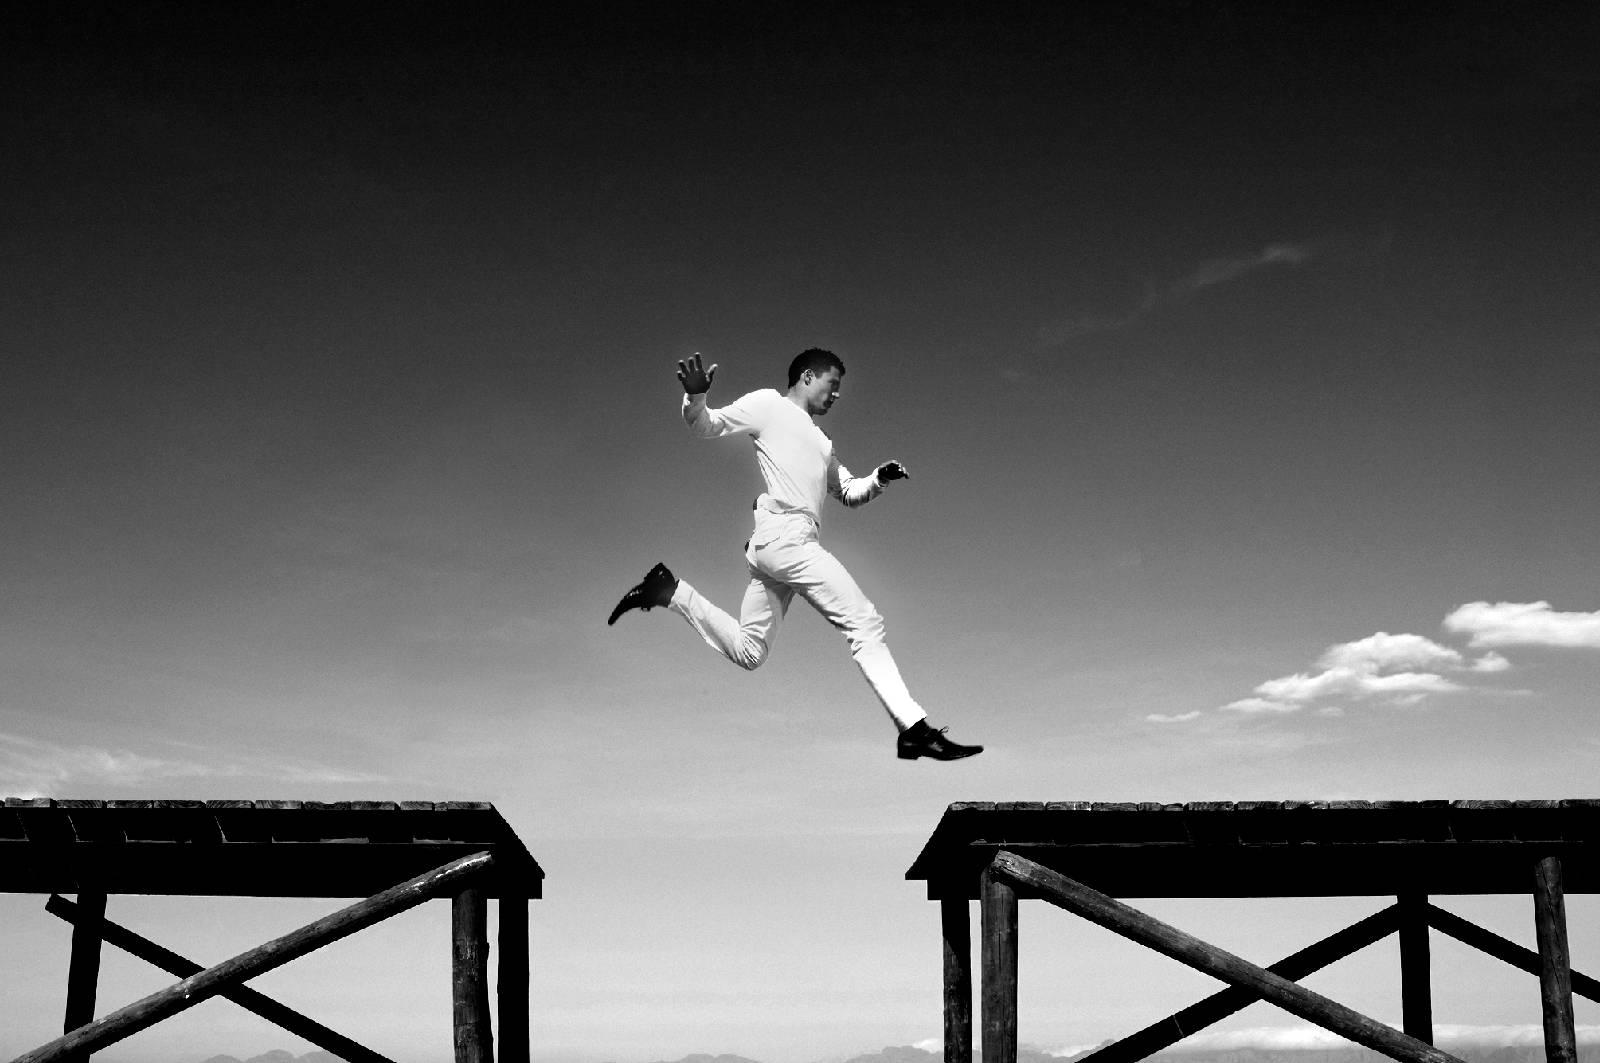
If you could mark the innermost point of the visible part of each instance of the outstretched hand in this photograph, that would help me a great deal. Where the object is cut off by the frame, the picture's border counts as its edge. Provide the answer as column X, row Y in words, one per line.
column 892, row 470
column 695, row 380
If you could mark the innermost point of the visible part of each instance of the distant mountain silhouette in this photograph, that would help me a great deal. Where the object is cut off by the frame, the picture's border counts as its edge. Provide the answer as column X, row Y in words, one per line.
column 898, row 1054
column 1471, row 1053
column 1530, row 1052
column 909, row 1054
column 278, row 1055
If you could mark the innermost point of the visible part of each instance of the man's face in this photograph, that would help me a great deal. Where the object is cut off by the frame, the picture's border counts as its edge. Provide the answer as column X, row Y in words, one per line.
column 821, row 390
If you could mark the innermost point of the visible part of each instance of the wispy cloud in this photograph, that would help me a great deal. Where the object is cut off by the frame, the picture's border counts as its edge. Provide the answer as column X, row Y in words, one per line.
column 1306, row 1037
column 1397, row 670
column 1182, row 717
column 1524, row 624
column 33, row 768
column 1222, row 270
column 1209, row 274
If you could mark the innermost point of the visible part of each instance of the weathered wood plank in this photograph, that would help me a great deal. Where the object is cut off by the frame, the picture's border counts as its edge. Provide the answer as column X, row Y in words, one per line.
column 999, row 958
column 145, row 1013
column 955, row 922
column 469, row 955
column 1314, row 957
column 240, row 848
column 1122, row 919
column 143, row 948
column 1555, row 967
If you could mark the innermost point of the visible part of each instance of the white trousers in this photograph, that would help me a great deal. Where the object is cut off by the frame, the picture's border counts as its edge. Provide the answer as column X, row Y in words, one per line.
column 786, row 559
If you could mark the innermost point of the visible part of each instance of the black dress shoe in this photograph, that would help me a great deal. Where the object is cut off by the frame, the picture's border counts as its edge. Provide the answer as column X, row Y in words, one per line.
column 655, row 589
column 920, row 740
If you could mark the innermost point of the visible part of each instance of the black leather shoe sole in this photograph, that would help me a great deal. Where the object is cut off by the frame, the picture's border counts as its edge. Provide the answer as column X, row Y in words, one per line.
column 941, row 751
column 655, row 589
column 634, row 599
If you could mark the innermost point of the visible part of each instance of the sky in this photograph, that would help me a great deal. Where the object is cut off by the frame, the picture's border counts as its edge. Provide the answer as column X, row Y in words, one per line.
column 1243, row 358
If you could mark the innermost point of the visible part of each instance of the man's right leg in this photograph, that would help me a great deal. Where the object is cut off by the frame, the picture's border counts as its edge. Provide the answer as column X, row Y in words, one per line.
column 819, row 576
column 824, row 582
column 747, row 640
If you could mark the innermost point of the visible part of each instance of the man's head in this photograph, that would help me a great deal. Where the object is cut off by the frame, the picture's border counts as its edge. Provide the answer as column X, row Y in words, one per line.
column 814, row 359
column 814, row 378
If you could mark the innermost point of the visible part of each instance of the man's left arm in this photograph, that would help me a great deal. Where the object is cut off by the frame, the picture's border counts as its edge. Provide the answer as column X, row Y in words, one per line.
column 859, row 490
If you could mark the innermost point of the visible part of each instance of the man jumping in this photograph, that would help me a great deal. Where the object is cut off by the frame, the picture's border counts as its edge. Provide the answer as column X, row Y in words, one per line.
column 784, row 557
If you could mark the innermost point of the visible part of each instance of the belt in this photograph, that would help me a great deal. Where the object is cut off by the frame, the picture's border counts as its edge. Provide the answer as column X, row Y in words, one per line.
column 765, row 503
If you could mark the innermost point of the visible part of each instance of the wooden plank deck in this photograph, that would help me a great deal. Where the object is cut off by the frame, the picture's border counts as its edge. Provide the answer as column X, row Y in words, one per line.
column 1270, row 848
column 269, row 848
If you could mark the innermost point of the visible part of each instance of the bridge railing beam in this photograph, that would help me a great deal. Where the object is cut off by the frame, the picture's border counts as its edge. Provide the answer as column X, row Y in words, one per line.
column 1037, row 880
column 209, row 983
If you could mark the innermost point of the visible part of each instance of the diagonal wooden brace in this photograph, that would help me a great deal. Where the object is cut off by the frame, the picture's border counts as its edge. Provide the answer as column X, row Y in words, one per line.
column 1213, row 1009
column 1135, row 925
column 145, row 1013
column 258, row 1003
column 1523, row 959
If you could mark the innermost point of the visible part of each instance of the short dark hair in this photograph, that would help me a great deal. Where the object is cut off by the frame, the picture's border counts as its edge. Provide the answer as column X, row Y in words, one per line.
column 814, row 359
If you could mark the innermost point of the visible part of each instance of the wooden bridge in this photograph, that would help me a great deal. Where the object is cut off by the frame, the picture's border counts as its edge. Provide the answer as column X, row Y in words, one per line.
column 395, row 855
column 1082, row 856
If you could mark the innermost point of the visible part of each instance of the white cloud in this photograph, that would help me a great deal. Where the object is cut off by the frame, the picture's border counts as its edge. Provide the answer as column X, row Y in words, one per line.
column 1260, row 705
column 1352, row 682
column 1491, row 662
column 1524, row 624
column 1067, row 1051
column 1397, row 670
column 1182, row 717
column 1301, row 1037
column 33, row 768
column 1265, row 1038
column 1292, row 692
column 1383, row 650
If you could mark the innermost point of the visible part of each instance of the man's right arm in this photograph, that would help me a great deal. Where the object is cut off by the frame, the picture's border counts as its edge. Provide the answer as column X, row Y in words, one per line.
column 739, row 416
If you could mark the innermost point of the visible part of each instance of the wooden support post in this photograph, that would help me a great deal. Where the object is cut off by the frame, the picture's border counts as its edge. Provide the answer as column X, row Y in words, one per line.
column 1523, row 959
column 513, row 983
column 212, row 981
column 121, row 937
column 955, row 919
column 999, row 955
column 1196, row 1017
column 470, row 981
column 83, row 976
column 1119, row 918
column 1555, row 967
column 1416, row 980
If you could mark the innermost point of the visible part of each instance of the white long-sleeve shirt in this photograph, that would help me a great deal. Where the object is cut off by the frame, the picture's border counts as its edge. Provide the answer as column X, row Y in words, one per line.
column 795, row 456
